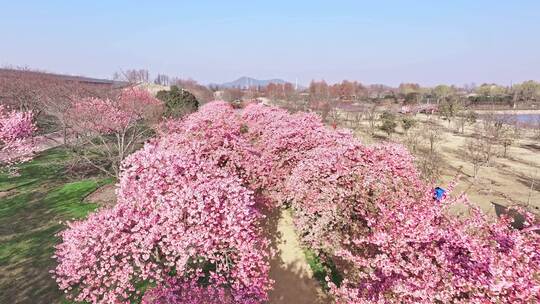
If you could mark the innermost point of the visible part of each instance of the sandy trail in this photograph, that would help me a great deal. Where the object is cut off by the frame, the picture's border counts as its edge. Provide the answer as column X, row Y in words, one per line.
column 294, row 282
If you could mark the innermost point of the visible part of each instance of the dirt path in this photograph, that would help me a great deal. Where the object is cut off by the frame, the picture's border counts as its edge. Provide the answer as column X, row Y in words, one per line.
column 293, row 278
column 105, row 196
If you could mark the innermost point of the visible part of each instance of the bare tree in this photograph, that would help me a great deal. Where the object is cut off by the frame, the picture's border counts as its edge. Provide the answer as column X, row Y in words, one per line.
column 430, row 165
column 132, row 76
column 531, row 189
column 334, row 116
column 357, row 119
column 464, row 119
column 508, row 135
column 429, row 160
column 162, row 79
column 412, row 140
column 372, row 115
column 432, row 134
column 477, row 150
column 536, row 127
column 491, row 134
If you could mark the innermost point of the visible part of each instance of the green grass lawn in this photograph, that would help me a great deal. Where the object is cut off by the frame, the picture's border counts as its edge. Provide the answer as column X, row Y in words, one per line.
column 40, row 200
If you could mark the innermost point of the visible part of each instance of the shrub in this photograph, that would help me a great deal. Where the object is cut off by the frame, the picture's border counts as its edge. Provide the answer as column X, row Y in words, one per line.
column 407, row 123
column 388, row 124
column 178, row 102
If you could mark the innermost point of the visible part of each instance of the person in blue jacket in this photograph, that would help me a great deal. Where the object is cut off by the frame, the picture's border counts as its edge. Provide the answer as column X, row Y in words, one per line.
column 438, row 194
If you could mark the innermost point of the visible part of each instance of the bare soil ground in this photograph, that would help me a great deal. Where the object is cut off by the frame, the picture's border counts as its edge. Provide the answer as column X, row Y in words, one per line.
column 510, row 180
column 104, row 196
column 5, row 194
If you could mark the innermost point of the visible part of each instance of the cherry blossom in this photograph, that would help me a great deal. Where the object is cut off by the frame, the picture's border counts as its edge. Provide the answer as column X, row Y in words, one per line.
column 16, row 136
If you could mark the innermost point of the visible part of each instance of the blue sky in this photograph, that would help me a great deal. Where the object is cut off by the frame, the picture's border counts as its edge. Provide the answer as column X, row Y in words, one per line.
column 389, row 42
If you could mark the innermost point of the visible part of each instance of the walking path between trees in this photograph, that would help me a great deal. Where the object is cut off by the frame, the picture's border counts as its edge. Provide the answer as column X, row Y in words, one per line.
column 294, row 282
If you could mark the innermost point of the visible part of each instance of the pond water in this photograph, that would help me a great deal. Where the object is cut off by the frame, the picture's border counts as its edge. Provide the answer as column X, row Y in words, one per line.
column 520, row 119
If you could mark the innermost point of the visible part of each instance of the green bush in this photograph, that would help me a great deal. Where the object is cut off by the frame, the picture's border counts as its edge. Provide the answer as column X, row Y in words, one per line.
column 178, row 102
column 388, row 124
column 407, row 123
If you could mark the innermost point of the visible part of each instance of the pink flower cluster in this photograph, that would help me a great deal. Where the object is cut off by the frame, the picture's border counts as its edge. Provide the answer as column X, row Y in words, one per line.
column 16, row 136
column 105, row 116
column 187, row 222
column 175, row 291
column 188, row 293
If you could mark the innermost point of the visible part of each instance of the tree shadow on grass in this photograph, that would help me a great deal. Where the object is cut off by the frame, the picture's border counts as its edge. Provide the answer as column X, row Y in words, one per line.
column 29, row 222
column 25, row 268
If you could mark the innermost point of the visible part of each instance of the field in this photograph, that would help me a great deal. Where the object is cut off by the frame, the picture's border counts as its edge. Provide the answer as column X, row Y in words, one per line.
column 511, row 180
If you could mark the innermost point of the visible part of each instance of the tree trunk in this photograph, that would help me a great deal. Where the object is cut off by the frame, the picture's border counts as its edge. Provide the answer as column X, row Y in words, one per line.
column 476, row 167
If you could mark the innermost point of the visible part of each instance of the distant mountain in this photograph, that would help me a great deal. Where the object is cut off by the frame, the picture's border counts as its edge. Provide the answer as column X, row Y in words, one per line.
column 245, row 82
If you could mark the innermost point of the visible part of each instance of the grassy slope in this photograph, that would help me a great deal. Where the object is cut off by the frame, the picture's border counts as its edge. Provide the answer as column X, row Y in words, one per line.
column 30, row 216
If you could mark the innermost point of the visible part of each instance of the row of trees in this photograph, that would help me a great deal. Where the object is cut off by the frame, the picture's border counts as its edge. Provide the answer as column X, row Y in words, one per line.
column 366, row 211
column 353, row 91
column 406, row 93
column 187, row 225
column 99, row 123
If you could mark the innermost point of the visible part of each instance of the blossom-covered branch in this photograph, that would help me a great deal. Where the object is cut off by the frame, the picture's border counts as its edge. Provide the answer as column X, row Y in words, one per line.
column 16, row 136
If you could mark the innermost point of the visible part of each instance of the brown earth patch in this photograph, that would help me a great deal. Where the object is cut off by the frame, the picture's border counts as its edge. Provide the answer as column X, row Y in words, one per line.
column 104, row 196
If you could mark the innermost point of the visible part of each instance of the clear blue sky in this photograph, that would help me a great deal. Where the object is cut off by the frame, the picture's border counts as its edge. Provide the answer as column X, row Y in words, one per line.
column 388, row 42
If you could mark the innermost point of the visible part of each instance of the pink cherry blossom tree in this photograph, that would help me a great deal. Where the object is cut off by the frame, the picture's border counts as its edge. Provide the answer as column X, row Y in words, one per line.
column 186, row 224
column 110, row 129
column 16, row 136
